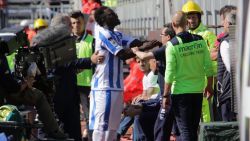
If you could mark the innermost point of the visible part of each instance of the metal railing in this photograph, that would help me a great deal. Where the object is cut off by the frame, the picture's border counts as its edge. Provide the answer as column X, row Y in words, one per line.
column 138, row 17
column 34, row 9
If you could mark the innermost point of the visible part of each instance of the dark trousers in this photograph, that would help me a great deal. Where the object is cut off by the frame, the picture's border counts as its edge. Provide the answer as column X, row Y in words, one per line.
column 187, row 111
column 143, row 123
column 67, row 108
column 144, row 126
column 163, row 125
column 138, row 134
column 226, row 110
column 216, row 110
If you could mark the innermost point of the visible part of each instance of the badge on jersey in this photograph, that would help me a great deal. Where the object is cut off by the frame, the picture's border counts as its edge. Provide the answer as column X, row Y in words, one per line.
column 113, row 42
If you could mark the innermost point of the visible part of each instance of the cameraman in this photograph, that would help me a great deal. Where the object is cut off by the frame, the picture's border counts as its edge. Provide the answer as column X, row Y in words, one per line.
column 66, row 98
column 23, row 93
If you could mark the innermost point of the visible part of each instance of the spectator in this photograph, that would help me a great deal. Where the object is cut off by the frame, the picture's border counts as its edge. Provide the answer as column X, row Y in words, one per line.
column 40, row 24
column 89, row 5
column 149, row 81
column 66, row 98
column 223, row 11
column 30, row 32
column 224, row 71
column 90, row 27
column 214, row 55
column 187, row 64
column 133, row 82
column 167, row 33
column 150, row 89
column 163, row 123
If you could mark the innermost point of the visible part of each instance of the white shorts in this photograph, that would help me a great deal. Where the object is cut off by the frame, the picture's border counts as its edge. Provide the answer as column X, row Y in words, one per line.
column 105, row 109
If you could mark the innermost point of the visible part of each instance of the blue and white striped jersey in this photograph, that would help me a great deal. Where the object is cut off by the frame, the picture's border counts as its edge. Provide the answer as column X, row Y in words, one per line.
column 109, row 74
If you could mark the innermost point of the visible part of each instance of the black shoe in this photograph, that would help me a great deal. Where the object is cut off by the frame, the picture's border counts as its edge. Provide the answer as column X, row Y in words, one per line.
column 58, row 135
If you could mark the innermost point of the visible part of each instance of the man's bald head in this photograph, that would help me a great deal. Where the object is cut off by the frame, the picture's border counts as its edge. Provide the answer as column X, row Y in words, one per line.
column 179, row 19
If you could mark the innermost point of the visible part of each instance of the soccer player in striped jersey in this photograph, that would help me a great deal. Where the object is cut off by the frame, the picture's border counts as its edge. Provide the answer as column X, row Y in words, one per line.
column 106, row 98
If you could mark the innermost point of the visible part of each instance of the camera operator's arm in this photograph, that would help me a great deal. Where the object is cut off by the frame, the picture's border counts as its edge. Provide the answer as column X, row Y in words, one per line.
column 82, row 63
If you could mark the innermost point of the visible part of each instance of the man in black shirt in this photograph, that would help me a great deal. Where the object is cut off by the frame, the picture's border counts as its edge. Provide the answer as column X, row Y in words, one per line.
column 162, row 126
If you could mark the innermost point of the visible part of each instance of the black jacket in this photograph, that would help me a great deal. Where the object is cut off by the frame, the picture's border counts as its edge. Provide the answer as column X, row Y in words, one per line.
column 66, row 83
column 7, row 81
column 224, row 79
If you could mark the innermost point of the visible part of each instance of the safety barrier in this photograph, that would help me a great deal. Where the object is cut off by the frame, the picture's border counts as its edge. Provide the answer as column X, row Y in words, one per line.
column 138, row 17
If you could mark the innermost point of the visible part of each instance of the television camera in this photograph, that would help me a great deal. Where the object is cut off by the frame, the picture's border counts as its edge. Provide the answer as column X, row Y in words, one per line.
column 47, row 56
